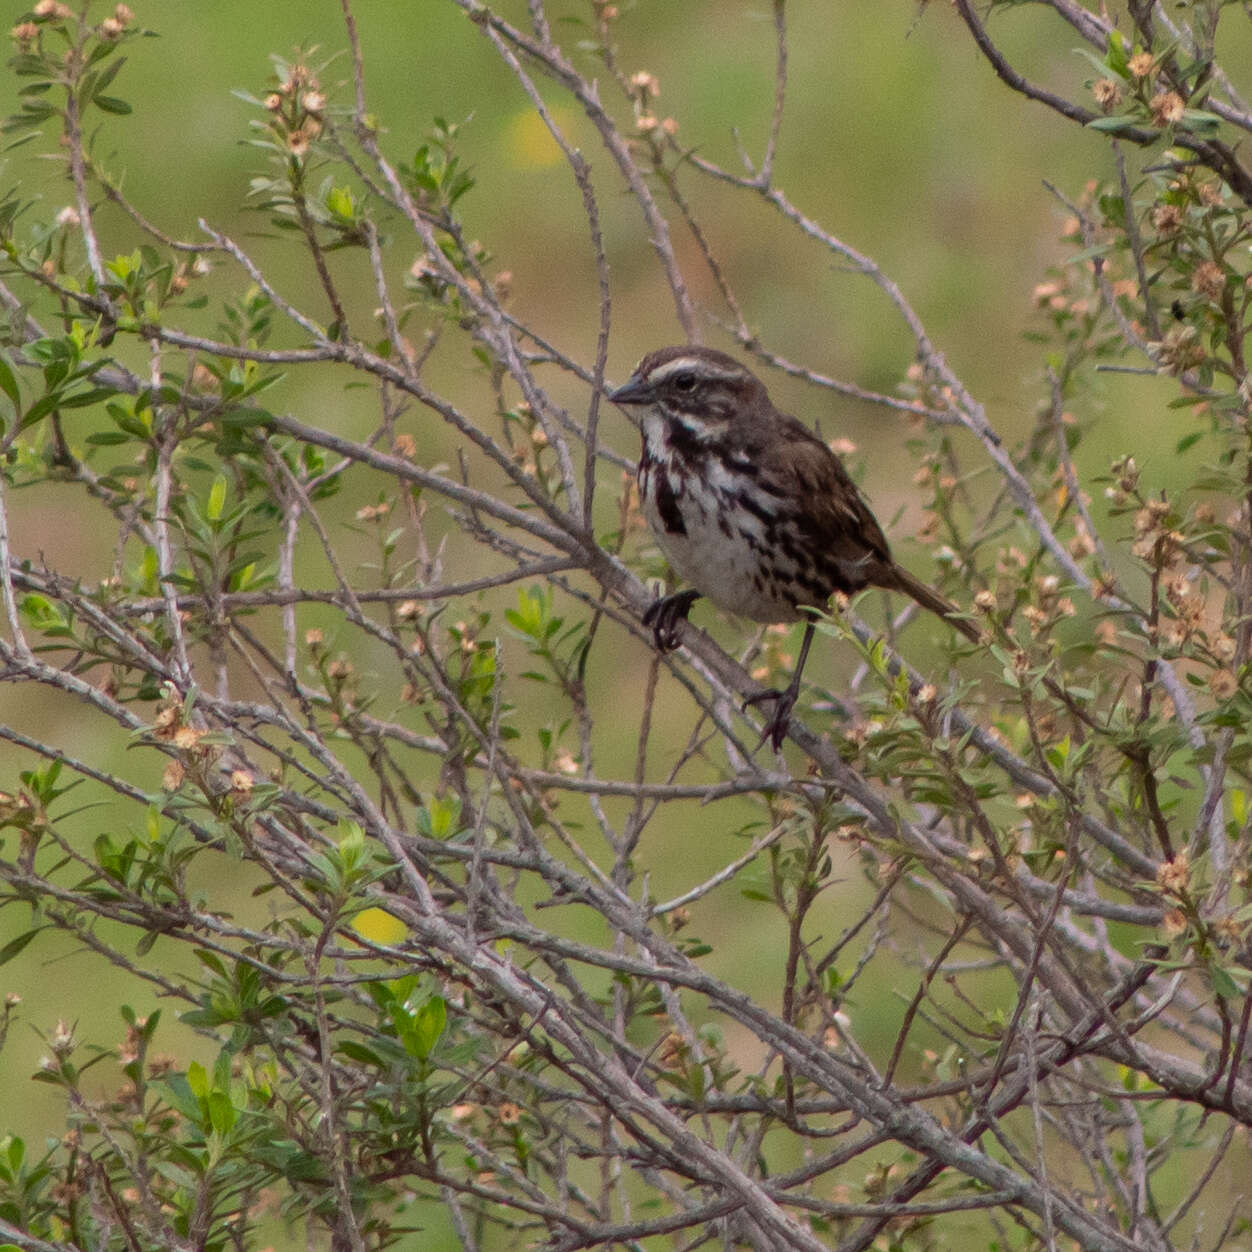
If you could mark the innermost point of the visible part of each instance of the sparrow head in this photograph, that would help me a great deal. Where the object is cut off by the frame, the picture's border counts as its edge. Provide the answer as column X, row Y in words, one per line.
column 692, row 385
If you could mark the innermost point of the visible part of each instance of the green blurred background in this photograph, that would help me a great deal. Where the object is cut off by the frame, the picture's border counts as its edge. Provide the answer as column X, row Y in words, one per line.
column 897, row 138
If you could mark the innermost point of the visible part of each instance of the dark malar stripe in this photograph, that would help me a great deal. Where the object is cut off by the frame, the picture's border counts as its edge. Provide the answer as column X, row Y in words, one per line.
column 667, row 501
column 682, row 440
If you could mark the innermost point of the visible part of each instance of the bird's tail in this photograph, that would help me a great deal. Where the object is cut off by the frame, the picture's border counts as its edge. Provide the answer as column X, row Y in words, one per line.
column 933, row 602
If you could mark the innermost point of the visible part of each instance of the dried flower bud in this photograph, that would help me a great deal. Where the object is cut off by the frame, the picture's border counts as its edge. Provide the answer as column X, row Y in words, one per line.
column 1167, row 218
column 1107, row 93
column 1223, row 684
column 1173, row 876
column 1209, row 279
column 645, row 84
column 1166, row 108
column 1181, row 349
column 1082, row 543
column 1044, row 295
column 62, row 1041
column 187, row 738
column 1174, row 923
column 1140, row 65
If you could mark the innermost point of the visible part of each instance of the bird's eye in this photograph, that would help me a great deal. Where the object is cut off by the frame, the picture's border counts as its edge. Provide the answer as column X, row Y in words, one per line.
column 684, row 382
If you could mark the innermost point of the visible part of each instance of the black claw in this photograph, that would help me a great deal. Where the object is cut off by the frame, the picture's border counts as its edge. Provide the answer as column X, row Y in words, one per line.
column 775, row 730
column 665, row 615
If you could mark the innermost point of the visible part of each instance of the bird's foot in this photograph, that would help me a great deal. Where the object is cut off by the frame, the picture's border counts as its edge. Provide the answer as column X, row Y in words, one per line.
column 664, row 616
column 775, row 730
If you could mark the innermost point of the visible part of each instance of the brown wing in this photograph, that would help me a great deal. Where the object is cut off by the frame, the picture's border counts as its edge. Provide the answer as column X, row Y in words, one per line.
column 832, row 517
column 836, row 521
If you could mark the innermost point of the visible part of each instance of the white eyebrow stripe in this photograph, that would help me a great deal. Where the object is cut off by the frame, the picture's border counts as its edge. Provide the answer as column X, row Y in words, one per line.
column 699, row 366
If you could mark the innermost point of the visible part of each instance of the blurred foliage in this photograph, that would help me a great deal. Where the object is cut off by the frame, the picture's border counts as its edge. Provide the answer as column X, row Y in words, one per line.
column 468, row 919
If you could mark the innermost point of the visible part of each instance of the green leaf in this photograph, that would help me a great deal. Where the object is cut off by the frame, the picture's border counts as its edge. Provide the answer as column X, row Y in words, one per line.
column 339, row 202
column 83, row 398
column 1223, row 984
column 351, row 843
column 1113, row 125
column 111, row 104
column 198, row 1080
column 1118, row 57
column 1103, row 68
column 217, row 499
column 222, row 1112
column 1201, row 121
column 1088, row 254
column 428, row 1025
column 40, row 409
column 15, row 946
column 359, row 1052
column 8, row 384
column 109, row 74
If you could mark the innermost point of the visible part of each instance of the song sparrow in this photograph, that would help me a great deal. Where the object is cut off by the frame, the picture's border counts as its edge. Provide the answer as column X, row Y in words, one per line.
column 750, row 507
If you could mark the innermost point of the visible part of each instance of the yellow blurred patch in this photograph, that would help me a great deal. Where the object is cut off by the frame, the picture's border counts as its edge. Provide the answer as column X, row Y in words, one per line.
column 530, row 142
column 379, row 926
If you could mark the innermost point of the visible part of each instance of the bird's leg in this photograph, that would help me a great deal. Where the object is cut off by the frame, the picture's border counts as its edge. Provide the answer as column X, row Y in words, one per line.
column 663, row 616
column 775, row 730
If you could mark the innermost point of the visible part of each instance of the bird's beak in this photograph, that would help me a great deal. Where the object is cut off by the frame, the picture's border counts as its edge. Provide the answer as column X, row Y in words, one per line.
column 633, row 391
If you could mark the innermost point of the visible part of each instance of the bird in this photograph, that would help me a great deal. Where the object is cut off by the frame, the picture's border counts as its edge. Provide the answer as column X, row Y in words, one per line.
column 751, row 508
